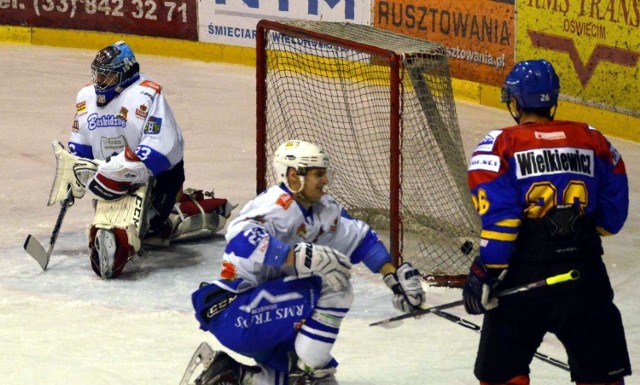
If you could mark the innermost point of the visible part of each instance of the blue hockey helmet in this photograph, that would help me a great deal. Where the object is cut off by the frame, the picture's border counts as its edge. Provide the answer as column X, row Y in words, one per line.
column 533, row 83
column 113, row 69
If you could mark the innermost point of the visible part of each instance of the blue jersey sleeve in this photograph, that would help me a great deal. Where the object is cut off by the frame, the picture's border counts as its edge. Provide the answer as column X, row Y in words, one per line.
column 371, row 252
column 81, row 150
column 154, row 160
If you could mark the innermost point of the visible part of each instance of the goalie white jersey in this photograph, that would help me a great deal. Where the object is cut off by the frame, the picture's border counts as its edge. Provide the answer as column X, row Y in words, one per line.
column 139, row 118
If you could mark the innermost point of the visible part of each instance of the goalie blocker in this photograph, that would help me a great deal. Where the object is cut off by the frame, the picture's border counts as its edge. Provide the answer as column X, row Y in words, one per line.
column 118, row 230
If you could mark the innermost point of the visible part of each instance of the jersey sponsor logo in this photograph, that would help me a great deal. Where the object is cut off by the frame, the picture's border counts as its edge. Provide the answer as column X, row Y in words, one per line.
column 557, row 135
column 153, row 126
column 112, row 146
column 485, row 162
column 615, row 155
column 76, row 126
column 141, row 112
column 269, row 314
column 302, row 230
column 486, row 144
column 334, row 226
column 150, row 84
column 272, row 300
column 285, row 200
column 546, row 161
column 81, row 108
column 148, row 94
column 123, row 114
column 96, row 121
column 220, row 305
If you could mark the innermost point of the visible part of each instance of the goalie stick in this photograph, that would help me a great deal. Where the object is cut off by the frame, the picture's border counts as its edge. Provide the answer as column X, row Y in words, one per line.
column 571, row 275
column 477, row 328
column 35, row 249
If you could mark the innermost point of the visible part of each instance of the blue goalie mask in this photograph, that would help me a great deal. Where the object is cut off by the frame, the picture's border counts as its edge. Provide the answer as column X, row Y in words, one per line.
column 113, row 69
column 533, row 83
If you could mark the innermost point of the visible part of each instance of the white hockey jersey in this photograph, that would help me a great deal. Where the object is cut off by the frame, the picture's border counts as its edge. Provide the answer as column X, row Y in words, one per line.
column 268, row 226
column 139, row 118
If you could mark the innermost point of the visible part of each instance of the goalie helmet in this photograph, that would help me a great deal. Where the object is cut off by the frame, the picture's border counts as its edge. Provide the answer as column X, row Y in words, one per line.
column 299, row 155
column 533, row 83
column 113, row 69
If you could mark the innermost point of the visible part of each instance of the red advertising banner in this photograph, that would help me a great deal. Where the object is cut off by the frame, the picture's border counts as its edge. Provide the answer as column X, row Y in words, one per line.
column 158, row 18
column 479, row 34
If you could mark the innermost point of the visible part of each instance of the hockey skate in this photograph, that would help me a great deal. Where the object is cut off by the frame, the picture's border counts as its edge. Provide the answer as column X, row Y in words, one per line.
column 218, row 369
column 301, row 374
column 105, row 251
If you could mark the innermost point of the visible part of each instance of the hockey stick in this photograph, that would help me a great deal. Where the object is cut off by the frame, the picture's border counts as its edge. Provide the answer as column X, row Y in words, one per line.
column 35, row 249
column 477, row 328
column 565, row 277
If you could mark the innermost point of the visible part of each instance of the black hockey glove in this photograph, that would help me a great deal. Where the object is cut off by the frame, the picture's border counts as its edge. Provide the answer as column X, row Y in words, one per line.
column 480, row 287
column 407, row 289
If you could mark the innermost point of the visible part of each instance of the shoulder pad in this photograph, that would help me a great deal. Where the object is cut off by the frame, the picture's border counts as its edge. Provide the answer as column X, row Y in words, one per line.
column 151, row 84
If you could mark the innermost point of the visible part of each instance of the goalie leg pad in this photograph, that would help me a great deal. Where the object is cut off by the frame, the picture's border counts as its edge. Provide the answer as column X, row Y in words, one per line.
column 109, row 251
column 126, row 219
column 198, row 215
column 129, row 213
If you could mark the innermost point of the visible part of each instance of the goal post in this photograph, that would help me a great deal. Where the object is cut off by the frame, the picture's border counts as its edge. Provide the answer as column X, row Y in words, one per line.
column 381, row 104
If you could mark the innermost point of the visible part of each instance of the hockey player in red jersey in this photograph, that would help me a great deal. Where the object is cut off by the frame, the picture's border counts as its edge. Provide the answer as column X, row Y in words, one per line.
column 546, row 191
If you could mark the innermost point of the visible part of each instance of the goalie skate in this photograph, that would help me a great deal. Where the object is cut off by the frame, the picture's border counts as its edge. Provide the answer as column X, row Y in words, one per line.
column 105, row 248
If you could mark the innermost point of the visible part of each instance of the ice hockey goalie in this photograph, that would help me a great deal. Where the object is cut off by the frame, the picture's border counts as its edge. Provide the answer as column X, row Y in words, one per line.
column 120, row 228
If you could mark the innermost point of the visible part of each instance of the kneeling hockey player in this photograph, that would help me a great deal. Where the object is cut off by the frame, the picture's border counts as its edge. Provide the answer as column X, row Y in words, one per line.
column 285, row 280
column 127, row 149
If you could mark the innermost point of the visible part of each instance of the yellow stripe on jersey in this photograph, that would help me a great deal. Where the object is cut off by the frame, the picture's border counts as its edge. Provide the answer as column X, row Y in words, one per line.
column 602, row 231
column 509, row 223
column 498, row 235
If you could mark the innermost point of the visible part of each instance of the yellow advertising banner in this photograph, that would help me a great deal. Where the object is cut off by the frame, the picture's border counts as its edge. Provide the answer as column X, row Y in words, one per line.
column 479, row 34
column 593, row 44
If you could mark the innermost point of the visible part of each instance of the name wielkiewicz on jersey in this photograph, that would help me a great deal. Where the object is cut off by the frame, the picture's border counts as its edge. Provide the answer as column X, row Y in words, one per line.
column 553, row 161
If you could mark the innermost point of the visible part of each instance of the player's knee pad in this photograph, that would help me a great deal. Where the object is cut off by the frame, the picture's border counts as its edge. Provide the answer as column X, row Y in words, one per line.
column 522, row 379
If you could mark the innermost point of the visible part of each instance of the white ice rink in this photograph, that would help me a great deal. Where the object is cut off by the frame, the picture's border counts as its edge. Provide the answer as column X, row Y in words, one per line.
column 66, row 326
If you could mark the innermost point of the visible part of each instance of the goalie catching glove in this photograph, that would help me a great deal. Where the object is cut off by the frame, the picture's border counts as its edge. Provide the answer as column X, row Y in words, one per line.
column 407, row 289
column 480, row 287
column 331, row 265
column 72, row 172
column 121, row 174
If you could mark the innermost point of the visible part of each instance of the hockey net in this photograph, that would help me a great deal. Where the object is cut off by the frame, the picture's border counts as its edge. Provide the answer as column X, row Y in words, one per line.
column 381, row 104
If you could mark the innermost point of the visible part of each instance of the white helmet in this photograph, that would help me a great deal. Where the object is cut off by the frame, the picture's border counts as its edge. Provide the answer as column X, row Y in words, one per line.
column 301, row 156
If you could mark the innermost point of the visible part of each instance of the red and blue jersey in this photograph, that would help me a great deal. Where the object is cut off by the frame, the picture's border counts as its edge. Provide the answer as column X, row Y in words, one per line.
column 523, row 171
